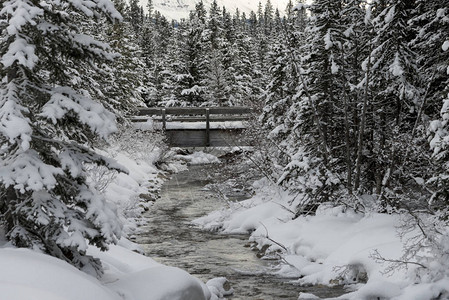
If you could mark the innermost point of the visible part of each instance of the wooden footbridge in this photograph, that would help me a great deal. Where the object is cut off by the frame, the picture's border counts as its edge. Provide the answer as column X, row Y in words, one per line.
column 199, row 126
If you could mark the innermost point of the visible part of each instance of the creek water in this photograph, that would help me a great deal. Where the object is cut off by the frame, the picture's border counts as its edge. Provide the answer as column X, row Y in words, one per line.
column 169, row 238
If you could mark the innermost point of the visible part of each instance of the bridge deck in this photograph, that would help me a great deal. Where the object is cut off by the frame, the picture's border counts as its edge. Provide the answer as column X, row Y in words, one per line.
column 199, row 138
column 227, row 124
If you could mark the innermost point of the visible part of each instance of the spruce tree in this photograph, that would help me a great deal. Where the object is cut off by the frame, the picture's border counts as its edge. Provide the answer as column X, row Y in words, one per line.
column 432, row 43
column 316, row 136
column 134, row 15
column 47, row 126
column 395, row 92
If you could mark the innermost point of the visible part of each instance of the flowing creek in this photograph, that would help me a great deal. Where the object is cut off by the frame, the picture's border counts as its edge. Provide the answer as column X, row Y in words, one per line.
column 169, row 238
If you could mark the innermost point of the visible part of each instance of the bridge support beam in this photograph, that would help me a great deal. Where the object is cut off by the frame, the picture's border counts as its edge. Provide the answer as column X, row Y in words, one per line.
column 207, row 127
column 164, row 120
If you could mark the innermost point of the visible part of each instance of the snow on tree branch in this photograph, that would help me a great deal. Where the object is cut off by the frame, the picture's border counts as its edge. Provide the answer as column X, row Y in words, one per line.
column 22, row 52
column 13, row 124
column 94, row 115
column 26, row 171
column 22, row 13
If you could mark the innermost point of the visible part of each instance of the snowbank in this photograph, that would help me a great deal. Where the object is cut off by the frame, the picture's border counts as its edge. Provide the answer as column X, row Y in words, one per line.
column 334, row 247
column 136, row 277
column 198, row 158
column 26, row 275
column 29, row 275
column 134, row 192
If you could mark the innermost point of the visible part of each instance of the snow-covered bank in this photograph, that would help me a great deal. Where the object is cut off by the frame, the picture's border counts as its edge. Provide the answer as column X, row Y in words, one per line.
column 28, row 274
column 336, row 246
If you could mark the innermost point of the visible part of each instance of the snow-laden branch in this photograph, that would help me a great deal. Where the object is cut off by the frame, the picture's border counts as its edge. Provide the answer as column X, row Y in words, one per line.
column 65, row 100
column 26, row 171
column 13, row 124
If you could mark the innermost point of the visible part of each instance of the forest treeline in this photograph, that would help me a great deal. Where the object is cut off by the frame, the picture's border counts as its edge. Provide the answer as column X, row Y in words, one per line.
column 352, row 95
column 352, row 102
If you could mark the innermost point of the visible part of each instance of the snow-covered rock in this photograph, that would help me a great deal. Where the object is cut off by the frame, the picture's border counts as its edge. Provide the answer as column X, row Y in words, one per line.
column 219, row 288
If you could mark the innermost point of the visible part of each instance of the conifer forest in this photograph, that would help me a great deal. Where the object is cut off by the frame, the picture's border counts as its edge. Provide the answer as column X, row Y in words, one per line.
column 350, row 102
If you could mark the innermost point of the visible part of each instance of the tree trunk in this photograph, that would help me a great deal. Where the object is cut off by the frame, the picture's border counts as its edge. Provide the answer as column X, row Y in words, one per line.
column 362, row 127
column 347, row 137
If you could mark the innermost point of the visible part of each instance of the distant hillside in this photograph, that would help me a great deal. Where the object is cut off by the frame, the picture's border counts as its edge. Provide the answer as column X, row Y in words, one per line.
column 178, row 9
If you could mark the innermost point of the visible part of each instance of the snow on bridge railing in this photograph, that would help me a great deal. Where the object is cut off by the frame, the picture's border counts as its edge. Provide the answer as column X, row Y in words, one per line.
column 193, row 114
column 175, row 122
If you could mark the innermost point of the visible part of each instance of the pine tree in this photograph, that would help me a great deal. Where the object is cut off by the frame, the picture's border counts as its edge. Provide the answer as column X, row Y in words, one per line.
column 394, row 89
column 317, row 133
column 134, row 15
column 432, row 60
column 192, row 68
column 214, row 26
column 253, row 23
column 432, row 43
column 289, row 8
column 124, row 79
column 47, row 123
column 268, row 16
column 150, row 9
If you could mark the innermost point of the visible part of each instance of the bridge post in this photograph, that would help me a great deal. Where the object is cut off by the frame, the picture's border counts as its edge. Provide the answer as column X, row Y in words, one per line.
column 164, row 123
column 207, row 128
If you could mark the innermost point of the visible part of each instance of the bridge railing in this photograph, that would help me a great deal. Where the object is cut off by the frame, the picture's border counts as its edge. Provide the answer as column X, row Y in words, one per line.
column 194, row 114
column 205, row 115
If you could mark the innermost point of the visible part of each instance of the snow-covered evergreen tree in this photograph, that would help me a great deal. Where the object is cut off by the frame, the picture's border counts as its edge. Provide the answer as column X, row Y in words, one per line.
column 47, row 125
column 190, row 77
column 395, row 93
column 435, row 60
column 315, row 139
column 134, row 15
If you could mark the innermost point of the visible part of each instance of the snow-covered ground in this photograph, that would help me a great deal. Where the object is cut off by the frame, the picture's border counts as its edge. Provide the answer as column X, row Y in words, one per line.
column 334, row 247
column 198, row 158
column 30, row 275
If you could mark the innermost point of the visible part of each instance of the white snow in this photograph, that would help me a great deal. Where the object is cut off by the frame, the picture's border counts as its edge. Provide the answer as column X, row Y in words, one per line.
column 445, row 46
column 396, row 68
column 136, row 277
column 334, row 66
column 307, row 296
column 328, row 41
column 390, row 15
column 161, row 282
column 29, row 275
column 21, row 52
column 202, row 125
column 65, row 100
column 217, row 287
column 26, row 171
column 22, row 14
column 335, row 246
column 13, row 124
column 198, row 158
